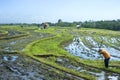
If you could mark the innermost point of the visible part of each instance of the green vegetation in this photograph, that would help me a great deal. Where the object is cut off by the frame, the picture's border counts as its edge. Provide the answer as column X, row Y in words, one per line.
column 107, row 24
column 2, row 33
column 48, row 49
column 53, row 46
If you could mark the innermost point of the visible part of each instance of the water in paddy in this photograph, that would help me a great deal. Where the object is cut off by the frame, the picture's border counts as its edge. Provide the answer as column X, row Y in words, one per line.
column 78, row 48
column 99, row 74
column 18, row 44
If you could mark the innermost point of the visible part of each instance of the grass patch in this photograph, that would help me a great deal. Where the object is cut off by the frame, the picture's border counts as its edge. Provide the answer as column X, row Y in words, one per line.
column 53, row 45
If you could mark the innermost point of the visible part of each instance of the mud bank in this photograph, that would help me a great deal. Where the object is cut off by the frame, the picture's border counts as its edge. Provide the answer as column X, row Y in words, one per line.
column 99, row 74
column 18, row 44
column 14, row 66
column 80, row 49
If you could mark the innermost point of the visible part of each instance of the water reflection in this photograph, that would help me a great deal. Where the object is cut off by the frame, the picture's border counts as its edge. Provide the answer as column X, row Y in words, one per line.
column 10, row 58
column 78, row 48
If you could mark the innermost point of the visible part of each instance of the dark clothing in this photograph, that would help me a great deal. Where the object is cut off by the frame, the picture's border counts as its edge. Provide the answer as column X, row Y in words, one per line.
column 106, row 62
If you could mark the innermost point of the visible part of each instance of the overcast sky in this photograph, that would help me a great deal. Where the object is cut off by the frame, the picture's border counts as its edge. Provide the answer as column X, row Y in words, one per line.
column 37, row 11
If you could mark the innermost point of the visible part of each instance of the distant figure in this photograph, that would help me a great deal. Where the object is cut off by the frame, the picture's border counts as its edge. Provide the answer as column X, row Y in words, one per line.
column 78, row 26
column 43, row 26
column 106, row 56
column 76, row 39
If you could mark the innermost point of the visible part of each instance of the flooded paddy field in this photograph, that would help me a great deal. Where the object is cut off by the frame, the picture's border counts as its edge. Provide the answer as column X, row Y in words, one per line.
column 99, row 74
column 21, row 67
column 18, row 43
column 14, row 66
column 86, row 47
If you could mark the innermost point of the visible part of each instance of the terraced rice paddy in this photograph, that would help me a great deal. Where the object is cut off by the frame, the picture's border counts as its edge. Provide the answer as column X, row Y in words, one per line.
column 78, row 48
column 58, row 54
column 89, row 50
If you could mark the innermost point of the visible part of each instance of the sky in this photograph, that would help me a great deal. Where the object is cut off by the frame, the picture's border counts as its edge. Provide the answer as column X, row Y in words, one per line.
column 38, row 11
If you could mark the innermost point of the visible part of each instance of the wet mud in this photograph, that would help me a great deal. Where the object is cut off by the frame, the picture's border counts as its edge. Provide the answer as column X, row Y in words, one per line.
column 78, row 48
column 19, row 43
column 14, row 66
column 99, row 74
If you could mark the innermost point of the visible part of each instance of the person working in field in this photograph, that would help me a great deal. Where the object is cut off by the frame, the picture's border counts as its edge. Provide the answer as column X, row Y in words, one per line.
column 106, row 56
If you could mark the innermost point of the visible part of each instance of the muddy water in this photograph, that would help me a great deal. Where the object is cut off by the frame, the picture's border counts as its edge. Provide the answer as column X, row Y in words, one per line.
column 99, row 74
column 18, row 44
column 19, row 67
column 22, row 68
column 14, row 66
column 78, row 48
column 10, row 58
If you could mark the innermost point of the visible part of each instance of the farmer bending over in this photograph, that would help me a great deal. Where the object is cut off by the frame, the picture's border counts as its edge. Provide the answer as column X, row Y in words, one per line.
column 106, row 56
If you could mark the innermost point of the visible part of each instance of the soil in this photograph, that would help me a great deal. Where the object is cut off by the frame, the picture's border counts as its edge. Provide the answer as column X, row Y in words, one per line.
column 78, row 48
column 16, row 66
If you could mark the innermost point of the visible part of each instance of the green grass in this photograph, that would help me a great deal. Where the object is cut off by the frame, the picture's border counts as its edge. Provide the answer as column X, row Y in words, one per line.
column 52, row 45
column 3, row 33
column 61, row 68
column 101, row 32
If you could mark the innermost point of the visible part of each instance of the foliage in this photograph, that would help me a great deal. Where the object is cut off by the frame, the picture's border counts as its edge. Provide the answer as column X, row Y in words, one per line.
column 107, row 24
column 111, row 25
column 53, row 45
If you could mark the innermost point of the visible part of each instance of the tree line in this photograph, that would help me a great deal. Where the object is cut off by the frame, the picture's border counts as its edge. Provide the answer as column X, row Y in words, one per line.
column 107, row 24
